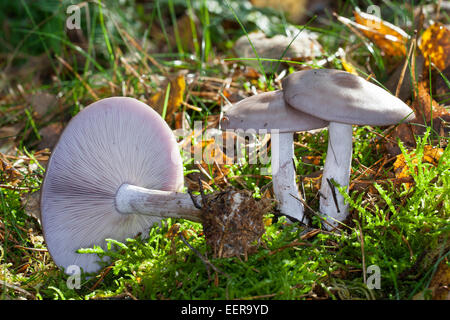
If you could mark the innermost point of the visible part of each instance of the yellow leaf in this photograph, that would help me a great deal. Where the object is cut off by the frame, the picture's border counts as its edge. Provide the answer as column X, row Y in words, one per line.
column 389, row 38
column 176, row 95
column 435, row 45
column 430, row 155
column 348, row 66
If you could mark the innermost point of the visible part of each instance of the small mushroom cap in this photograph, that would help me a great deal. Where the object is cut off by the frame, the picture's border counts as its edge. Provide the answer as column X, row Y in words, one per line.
column 113, row 141
column 268, row 111
column 339, row 96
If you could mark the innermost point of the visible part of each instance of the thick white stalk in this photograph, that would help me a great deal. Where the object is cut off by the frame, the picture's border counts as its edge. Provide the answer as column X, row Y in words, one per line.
column 337, row 168
column 283, row 176
column 165, row 204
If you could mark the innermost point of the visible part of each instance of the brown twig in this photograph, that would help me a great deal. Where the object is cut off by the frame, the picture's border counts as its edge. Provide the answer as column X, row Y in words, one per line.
column 294, row 243
column 205, row 260
column 68, row 66
column 31, row 249
column 103, row 275
column 361, row 238
column 405, row 65
column 17, row 289
column 312, row 210
column 333, row 193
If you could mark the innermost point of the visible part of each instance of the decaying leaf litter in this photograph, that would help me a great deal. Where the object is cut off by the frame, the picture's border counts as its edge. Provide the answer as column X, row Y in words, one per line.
column 37, row 123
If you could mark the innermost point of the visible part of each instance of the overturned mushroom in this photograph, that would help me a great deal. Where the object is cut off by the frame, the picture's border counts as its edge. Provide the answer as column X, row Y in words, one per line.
column 342, row 99
column 268, row 111
column 115, row 171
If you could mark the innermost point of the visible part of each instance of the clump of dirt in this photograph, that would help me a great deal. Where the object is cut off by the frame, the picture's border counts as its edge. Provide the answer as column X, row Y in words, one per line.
column 233, row 222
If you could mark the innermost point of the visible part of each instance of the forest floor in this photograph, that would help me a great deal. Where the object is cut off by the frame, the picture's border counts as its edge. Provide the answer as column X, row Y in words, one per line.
column 187, row 59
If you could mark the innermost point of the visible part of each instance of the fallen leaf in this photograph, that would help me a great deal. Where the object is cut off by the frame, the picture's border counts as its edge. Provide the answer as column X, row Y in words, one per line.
column 312, row 182
column 50, row 135
column 188, row 25
column 9, row 174
column 42, row 103
column 430, row 155
column 7, row 138
column 408, row 82
column 176, row 96
column 428, row 112
column 435, row 45
column 389, row 38
column 214, row 162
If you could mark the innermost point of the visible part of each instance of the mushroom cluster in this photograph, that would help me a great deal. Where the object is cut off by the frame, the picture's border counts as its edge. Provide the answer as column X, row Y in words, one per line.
column 116, row 169
column 313, row 99
column 269, row 111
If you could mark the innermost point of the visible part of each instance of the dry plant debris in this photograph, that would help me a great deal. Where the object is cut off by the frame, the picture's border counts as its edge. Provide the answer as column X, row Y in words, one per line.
column 233, row 222
column 431, row 155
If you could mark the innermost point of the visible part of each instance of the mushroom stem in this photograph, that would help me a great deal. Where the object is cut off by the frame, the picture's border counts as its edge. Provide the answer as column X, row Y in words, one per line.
column 337, row 168
column 165, row 204
column 283, row 176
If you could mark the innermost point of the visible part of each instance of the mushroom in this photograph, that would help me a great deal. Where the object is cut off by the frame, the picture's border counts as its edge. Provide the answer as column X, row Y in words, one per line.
column 269, row 111
column 115, row 171
column 344, row 100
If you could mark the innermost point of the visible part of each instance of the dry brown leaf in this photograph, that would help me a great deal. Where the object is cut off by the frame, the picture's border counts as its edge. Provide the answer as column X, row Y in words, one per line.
column 8, row 134
column 389, row 38
column 185, row 31
column 42, row 103
column 9, row 174
column 215, row 162
column 409, row 79
column 427, row 112
column 435, row 45
column 312, row 182
column 31, row 202
column 50, row 135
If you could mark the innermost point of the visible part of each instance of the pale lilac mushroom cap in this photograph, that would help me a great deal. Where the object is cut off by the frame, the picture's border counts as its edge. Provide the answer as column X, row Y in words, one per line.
column 344, row 100
column 112, row 142
column 339, row 96
column 269, row 111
